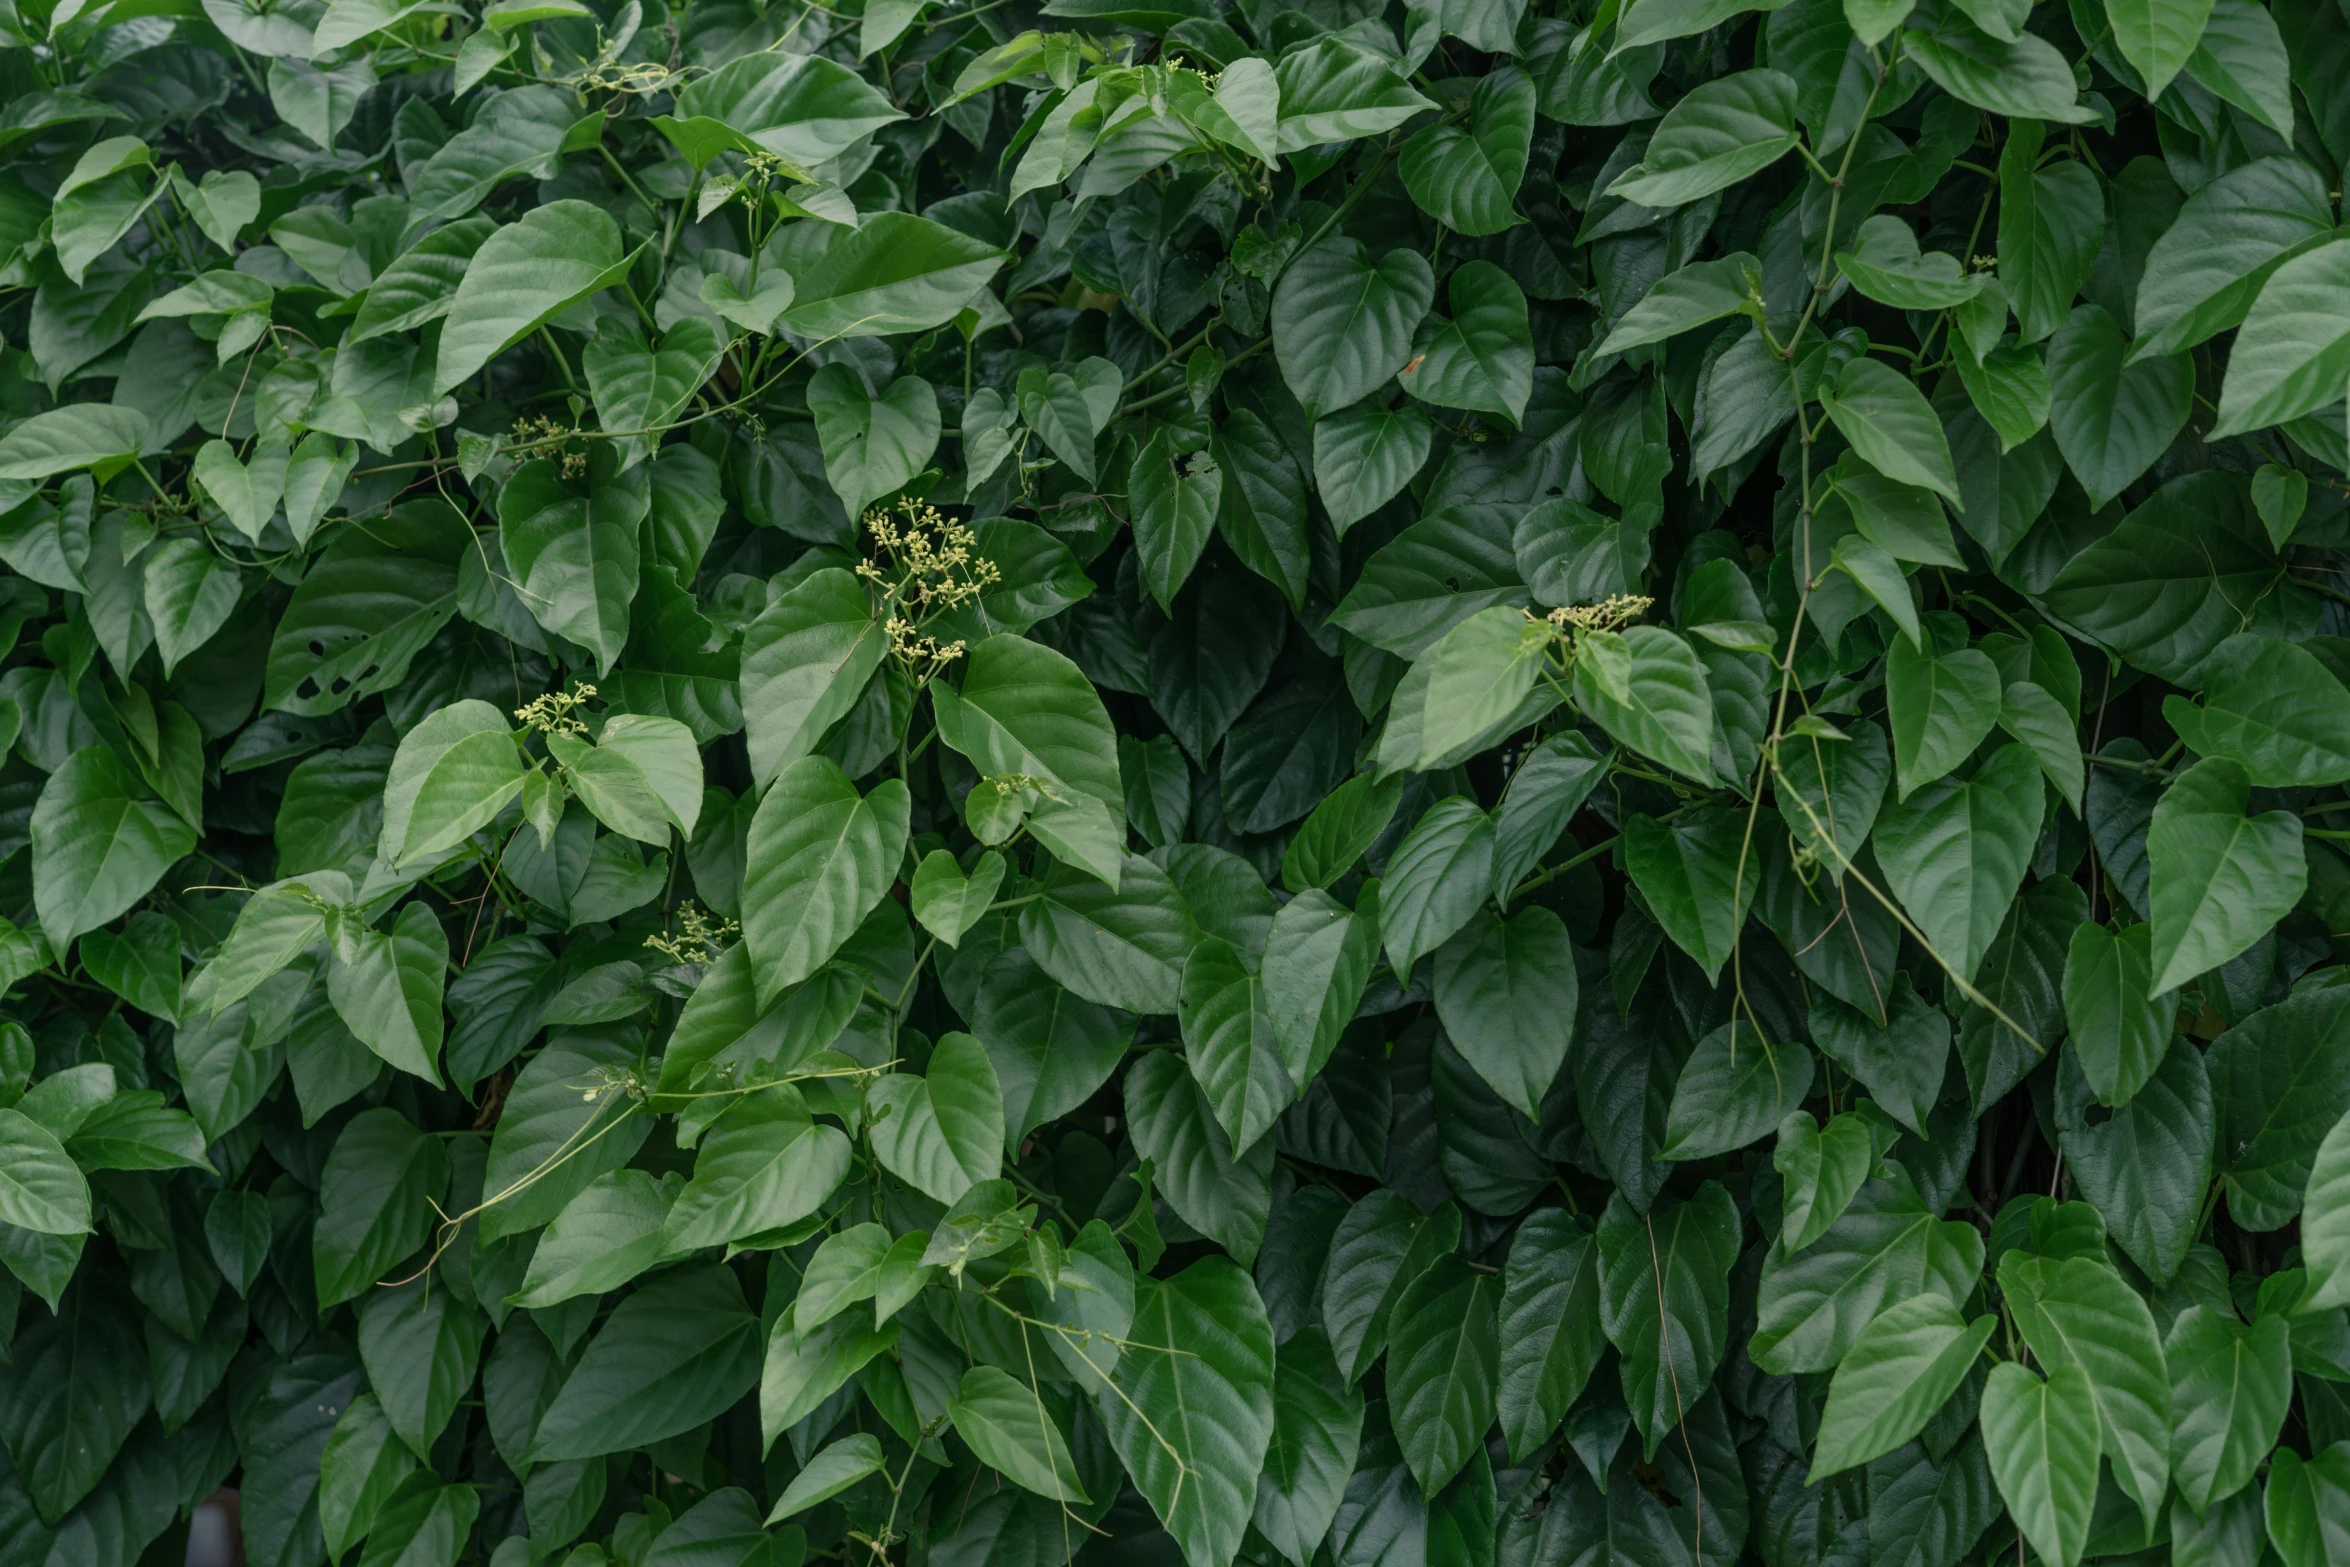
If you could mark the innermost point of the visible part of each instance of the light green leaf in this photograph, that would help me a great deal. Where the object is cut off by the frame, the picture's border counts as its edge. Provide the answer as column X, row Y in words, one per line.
column 943, row 1131
column 1907, row 1364
column 872, row 445
column 2042, row 1441
column 2076, row 1311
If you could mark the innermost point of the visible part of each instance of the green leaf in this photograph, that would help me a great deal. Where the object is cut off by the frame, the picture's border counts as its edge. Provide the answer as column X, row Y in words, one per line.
column 1824, row 1168
column 820, row 856
column 1649, row 690
column 1318, row 959
column 1904, row 1368
column 1940, row 707
column 2172, row 583
column 1175, row 500
column 2220, row 879
column 2114, row 412
column 141, row 963
column 640, row 387
column 1317, row 1433
column 1333, row 91
column 1698, row 293
column 553, row 258
column 515, row 131
column 1815, row 1304
column 2230, row 1382
column 573, row 550
column 1484, row 357
column 948, row 902
column 1699, row 875
column 2120, row 1025
column 2273, row 710
column 2041, row 1437
column 1230, row 1039
column 1343, row 324
column 1430, row 577
column 1734, row 1088
column 99, row 845
column 2027, row 78
column 2281, row 1083
column 872, row 445
column 420, row 1346
column 78, row 1388
column 1436, row 879
column 1120, row 947
column 451, row 776
column 421, row 283
column 84, row 435
column 1262, row 516
column 363, row 1465
column 841, row 1465
column 1341, row 830
column 1027, row 711
column 1664, row 1297
column 41, row 1190
column 2204, row 272
column 1724, row 131
column 191, row 592
column 1224, row 1195
column 1892, row 426
column 1886, row 264
column 365, row 609
column 676, row 1352
column 1955, row 853
column 386, row 987
column 1009, row 1429
column 2325, row 1224
column 2307, row 1505
column 942, row 1131
column 762, row 1165
column 800, row 1373
column 1365, row 455
column 805, row 661
column 376, row 1202
column 1468, row 179
column 1550, row 1334
column 2075, row 1311
column 1507, row 993
column 798, row 107
column 2158, row 37
column 894, row 273
column 1193, row 1412
column 563, row 1125
column 605, row 1236
column 1443, row 1367
column 2286, row 360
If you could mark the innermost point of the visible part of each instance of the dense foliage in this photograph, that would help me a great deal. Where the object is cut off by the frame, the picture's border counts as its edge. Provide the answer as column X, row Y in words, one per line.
column 944, row 783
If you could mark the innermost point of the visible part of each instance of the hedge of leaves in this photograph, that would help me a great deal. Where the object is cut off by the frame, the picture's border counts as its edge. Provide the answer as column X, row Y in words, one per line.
column 1537, row 786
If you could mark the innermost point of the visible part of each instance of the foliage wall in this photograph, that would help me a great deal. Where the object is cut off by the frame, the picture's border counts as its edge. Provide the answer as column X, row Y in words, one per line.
column 1454, row 783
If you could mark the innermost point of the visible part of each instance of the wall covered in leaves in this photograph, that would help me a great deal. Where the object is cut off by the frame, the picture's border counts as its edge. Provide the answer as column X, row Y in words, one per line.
column 1449, row 784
